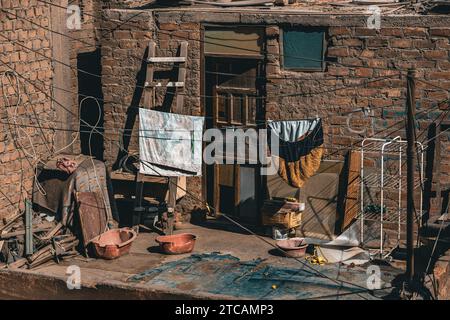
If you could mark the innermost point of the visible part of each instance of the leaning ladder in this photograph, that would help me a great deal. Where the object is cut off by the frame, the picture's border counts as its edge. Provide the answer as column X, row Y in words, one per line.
column 149, row 101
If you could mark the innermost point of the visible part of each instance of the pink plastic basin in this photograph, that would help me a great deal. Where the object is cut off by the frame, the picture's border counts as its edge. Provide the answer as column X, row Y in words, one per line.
column 177, row 243
column 294, row 247
column 113, row 243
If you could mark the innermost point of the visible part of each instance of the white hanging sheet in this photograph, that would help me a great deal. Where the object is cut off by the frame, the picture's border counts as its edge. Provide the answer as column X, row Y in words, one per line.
column 170, row 144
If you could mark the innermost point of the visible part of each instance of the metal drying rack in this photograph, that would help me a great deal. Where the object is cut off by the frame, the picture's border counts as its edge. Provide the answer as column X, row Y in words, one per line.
column 389, row 150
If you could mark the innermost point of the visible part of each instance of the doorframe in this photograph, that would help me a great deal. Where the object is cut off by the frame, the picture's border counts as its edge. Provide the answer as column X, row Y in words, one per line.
column 262, row 58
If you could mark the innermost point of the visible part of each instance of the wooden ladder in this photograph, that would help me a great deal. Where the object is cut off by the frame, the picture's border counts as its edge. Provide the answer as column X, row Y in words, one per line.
column 151, row 85
column 149, row 102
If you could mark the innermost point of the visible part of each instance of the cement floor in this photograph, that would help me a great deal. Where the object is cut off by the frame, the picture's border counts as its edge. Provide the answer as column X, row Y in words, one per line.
column 98, row 275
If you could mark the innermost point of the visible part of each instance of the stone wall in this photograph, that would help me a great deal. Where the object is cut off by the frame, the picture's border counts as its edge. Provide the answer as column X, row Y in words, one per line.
column 21, row 149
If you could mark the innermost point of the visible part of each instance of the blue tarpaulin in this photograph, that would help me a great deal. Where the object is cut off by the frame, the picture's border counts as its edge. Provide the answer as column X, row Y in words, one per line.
column 225, row 274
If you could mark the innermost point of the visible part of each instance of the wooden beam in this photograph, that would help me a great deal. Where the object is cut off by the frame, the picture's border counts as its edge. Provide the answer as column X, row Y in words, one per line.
column 62, row 77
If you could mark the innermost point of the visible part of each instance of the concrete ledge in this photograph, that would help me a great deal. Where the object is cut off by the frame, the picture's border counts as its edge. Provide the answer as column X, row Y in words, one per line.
column 32, row 285
column 325, row 19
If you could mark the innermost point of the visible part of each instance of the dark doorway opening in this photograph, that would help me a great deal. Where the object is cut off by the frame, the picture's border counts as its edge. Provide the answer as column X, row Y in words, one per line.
column 90, row 85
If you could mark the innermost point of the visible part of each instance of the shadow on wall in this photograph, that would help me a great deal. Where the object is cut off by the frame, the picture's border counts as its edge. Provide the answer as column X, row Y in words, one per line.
column 91, row 86
column 163, row 103
column 132, row 112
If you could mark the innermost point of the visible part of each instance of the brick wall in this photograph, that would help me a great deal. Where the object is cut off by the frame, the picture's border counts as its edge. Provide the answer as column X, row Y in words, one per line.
column 124, row 75
column 359, row 56
column 16, row 167
column 362, row 55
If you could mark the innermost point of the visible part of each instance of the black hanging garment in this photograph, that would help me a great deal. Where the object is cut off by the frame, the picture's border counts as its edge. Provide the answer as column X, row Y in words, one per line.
column 300, row 149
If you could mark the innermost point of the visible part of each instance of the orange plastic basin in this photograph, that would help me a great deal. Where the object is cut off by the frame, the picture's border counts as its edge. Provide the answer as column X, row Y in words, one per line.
column 177, row 244
column 113, row 243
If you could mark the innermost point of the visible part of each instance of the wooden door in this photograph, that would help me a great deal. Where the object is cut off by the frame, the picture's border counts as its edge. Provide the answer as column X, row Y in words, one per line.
column 234, row 103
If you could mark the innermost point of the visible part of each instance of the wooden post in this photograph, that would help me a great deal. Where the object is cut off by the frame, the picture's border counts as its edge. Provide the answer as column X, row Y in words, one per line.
column 61, row 74
column 181, row 78
column 411, row 147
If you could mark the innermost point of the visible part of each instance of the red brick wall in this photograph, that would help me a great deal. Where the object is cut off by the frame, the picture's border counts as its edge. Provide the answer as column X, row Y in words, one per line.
column 16, row 169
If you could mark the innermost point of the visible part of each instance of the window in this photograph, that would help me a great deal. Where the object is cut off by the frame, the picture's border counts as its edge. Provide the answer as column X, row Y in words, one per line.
column 238, row 41
column 303, row 49
column 235, row 106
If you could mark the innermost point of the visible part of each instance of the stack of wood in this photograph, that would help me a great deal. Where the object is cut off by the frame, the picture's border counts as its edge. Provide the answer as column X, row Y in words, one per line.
column 50, row 241
column 60, row 247
column 282, row 213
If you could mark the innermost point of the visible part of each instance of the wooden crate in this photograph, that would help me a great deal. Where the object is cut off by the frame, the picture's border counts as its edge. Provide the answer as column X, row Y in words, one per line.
column 281, row 214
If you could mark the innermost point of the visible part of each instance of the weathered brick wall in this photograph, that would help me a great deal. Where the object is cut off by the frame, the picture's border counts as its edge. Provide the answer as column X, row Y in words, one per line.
column 362, row 55
column 17, row 168
column 357, row 56
column 124, row 75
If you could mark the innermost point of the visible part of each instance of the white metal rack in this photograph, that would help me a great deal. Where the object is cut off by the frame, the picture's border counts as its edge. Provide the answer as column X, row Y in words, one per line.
column 389, row 150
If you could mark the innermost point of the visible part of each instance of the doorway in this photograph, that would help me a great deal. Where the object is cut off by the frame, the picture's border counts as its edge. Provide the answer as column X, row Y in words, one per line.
column 233, row 87
column 91, row 114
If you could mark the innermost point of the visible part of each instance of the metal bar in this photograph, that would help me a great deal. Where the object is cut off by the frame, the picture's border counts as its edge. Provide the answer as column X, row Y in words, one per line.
column 421, row 184
column 362, row 192
column 399, row 194
column 382, row 200
column 28, row 228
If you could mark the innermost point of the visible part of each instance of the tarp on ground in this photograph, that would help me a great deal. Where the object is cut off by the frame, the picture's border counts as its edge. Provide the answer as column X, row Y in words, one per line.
column 224, row 274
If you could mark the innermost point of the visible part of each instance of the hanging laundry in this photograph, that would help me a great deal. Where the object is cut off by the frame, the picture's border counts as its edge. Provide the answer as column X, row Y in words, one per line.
column 300, row 149
column 170, row 144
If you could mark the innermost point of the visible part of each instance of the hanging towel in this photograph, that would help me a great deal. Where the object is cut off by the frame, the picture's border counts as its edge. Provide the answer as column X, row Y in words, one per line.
column 170, row 144
column 300, row 149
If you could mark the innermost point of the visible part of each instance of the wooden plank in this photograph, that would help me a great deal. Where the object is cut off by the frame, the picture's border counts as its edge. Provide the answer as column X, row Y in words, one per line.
column 437, row 158
column 22, row 232
column 62, row 76
column 172, row 194
column 170, row 84
column 180, row 59
column 216, row 190
column 136, row 221
column 226, row 175
column 53, row 232
column 124, row 176
column 181, row 78
column 92, row 215
column 351, row 200
column 237, row 188
column 149, row 93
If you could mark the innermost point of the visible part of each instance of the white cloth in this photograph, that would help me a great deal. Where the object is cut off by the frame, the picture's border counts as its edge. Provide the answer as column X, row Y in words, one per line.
column 292, row 130
column 170, row 144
